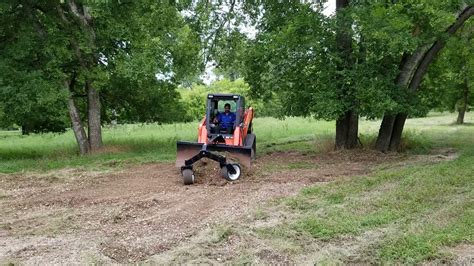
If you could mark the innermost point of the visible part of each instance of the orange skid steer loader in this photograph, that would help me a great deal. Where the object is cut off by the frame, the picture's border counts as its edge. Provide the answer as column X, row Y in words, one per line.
column 215, row 140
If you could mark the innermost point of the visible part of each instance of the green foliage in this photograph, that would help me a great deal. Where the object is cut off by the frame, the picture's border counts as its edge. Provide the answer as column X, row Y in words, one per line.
column 387, row 33
column 291, row 58
column 296, row 55
column 229, row 55
column 220, row 27
column 28, row 94
column 134, row 53
column 33, row 103
column 452, row 73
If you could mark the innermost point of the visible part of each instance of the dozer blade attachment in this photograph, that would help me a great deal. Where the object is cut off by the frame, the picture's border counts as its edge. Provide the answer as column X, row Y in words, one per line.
column 186, row 150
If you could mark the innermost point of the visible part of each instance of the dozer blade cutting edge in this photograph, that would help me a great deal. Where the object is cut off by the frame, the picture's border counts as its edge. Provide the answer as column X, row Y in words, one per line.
column 187, row 150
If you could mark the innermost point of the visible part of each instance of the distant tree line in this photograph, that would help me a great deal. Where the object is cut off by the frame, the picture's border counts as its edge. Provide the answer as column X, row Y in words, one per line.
column 194, row 99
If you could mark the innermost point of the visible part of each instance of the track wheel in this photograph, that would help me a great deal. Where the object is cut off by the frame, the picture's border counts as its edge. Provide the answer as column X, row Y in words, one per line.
column 228, row 175
column 188, row 176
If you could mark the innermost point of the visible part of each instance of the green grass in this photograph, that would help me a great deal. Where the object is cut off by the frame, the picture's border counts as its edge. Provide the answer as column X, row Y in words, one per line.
column 420, row 208
column 141, row 143
column 129, row 144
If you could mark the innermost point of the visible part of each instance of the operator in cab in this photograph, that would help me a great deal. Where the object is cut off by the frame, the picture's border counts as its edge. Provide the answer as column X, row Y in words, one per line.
column 226, row 120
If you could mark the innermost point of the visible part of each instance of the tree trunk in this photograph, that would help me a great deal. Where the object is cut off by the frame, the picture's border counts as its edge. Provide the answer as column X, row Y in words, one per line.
column 77, row 126
column 347, row 125
column 94, row 126
column 353, row 132
column 397, row 131
column 463, row 106
column 387, row 129
column 390, row 132
column 347, row 130
column 461, row 112
column 25, row 129
column 87, row 60
column 385, row 133
column 341, row 131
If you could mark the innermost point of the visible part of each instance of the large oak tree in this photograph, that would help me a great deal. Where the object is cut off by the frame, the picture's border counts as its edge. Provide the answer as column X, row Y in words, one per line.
column 124, row 56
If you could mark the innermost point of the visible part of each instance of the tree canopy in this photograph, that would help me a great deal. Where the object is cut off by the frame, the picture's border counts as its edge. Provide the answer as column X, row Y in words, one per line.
column 83, row 63
column 93, row 58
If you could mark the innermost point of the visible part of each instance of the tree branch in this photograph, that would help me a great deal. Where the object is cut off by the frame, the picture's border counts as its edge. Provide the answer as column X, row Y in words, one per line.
column 218, row 30
column 430, row 55
column 73, row 41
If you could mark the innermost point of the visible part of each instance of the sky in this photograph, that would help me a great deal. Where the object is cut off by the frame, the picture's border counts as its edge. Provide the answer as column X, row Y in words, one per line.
column 330, row 7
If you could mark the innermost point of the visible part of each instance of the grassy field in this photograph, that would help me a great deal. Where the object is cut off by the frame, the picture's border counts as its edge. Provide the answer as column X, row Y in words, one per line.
column 410, row 213
column 128, row 144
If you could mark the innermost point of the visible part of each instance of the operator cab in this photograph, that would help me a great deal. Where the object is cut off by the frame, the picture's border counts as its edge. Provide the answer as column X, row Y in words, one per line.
column 215, row 106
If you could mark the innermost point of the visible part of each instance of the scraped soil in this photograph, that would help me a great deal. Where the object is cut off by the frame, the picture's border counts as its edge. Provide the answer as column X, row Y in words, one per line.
column 76, row 216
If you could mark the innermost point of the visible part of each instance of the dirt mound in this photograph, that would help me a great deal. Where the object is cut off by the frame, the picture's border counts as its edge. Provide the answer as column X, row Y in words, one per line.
column 208, row 172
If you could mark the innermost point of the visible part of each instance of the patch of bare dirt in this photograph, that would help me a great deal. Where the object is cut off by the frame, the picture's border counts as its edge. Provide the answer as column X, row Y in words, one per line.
column 463, row 254
column 444, row 154
column 74, row 216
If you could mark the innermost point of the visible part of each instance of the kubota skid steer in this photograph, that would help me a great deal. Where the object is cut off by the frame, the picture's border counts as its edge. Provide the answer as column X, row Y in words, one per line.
column 214, row 141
